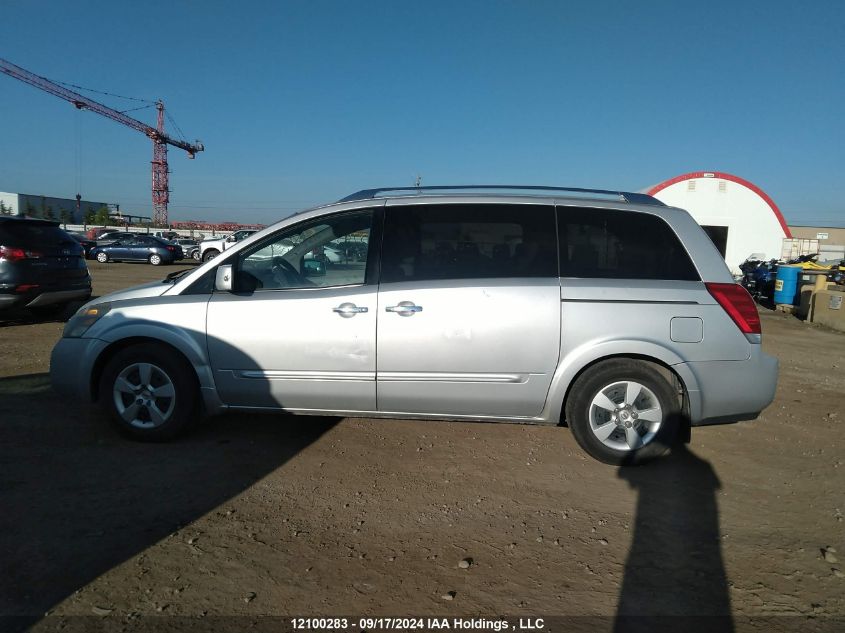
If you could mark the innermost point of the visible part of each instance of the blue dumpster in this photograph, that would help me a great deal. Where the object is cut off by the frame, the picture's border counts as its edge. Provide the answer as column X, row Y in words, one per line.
column 786, row 285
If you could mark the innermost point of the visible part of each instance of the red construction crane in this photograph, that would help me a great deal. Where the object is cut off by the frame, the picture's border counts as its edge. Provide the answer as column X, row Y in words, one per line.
column 161, row 190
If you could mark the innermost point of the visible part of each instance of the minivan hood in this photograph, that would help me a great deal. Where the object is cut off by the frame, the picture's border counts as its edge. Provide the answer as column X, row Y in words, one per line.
column 150, row 289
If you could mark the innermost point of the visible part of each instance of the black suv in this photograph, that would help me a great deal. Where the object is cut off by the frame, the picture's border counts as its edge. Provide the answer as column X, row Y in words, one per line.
column 42, row 268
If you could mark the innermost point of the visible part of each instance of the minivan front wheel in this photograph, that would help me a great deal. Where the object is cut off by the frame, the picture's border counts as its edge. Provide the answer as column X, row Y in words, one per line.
column 149, row 392
column 623, row 412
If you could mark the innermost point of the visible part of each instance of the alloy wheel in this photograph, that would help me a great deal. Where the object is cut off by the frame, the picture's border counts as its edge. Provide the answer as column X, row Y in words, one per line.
column 625, row 415
column 144, row 395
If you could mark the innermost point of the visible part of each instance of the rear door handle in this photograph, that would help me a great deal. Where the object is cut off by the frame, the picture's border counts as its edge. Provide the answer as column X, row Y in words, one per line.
column 404, row 308
column 348, row 310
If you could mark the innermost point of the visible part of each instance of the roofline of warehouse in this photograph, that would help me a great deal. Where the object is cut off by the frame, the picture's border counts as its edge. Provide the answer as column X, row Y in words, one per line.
column 725, row 176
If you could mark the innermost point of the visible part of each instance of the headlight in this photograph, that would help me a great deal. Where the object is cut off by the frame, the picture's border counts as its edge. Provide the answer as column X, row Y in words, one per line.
column 84, row 319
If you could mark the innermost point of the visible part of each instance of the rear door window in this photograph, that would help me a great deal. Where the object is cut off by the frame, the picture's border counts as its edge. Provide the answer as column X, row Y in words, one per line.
column 613, row 244
column 468, row 241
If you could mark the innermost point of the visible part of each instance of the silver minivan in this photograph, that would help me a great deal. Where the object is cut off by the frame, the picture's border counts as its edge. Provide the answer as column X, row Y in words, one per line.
column 604, row 311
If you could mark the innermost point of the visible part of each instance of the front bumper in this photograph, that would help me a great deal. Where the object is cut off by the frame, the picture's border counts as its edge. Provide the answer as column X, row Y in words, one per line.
column 71, row 366
column 722, row 392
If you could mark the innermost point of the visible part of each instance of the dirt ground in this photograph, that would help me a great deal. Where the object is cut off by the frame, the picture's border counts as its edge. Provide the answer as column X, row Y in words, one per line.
column 274, row 515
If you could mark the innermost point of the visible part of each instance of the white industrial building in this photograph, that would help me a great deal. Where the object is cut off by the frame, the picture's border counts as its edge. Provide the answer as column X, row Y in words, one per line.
column 38, row 206
column 739, row 217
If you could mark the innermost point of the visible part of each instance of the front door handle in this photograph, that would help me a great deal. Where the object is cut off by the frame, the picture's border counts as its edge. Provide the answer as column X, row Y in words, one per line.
column 348, row 310
column 404, row 308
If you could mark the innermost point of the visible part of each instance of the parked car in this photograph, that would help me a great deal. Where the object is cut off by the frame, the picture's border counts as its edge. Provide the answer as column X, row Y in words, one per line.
column 352, row 251
column 190, row 248
column 325, row 254
column 166, row 235
column 139, row 248
column 86, row 243
column 608, row 312
column 97, row 232
column 213, row 246
column 42, row 268
column 115, row 236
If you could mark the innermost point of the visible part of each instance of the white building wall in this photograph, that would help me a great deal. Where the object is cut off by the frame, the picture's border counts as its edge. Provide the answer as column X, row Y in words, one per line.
column 38, row 206
column 753, row 226
column 10, row 202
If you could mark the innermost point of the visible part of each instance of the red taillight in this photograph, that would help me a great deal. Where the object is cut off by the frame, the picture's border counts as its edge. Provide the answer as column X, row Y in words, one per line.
column 739, row 305
column 12, row 254
column 171, row 248
column 25, row 287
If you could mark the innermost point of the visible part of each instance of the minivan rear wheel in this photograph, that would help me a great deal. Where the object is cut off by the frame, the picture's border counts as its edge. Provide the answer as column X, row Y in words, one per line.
column 149, row 392
column 623, row 412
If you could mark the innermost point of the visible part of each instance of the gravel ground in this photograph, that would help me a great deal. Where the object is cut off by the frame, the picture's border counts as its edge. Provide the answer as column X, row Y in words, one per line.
column 273, row 515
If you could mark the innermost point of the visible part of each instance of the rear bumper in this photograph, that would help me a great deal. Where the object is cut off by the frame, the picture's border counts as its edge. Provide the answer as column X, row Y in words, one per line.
column 722, row 392
column 21, row 301
column 8, row 301
column 59, row 296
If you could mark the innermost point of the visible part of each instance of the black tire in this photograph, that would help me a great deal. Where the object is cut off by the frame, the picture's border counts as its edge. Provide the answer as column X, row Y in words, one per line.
column 210, row 254
column 180, row 410
column 601, row 377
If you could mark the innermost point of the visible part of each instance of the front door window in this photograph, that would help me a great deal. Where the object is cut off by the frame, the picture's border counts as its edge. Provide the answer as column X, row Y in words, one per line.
column 308, row 256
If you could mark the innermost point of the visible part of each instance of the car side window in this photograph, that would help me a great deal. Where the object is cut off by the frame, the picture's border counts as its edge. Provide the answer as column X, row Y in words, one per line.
column 303, row 255
column 468, row 241
column 612, row 244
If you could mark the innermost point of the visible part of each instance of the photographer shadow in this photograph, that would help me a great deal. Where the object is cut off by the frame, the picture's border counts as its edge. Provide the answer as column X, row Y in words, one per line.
column 675, row 576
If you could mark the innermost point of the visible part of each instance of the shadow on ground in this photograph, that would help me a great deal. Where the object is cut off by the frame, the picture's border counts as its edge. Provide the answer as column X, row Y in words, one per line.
column 675, row 568
column 79, row 499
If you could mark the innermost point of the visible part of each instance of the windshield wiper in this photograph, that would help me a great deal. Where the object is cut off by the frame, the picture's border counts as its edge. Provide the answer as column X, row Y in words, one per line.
column 173, row 277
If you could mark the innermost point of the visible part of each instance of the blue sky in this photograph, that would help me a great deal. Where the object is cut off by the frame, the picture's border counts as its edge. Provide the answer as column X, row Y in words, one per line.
column 300, row 103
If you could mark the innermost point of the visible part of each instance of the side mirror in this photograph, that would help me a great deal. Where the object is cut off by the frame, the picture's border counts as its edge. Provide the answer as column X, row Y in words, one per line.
column 231, row 238
column 223, row 279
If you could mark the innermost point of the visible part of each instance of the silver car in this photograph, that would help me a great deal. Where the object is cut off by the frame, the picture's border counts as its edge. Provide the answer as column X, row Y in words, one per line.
column 604, row 311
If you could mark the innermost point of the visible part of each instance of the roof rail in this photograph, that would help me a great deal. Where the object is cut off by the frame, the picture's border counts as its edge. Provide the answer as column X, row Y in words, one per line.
column 627, row 196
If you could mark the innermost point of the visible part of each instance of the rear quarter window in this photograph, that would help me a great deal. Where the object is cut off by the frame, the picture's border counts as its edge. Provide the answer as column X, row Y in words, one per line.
column 612, row 244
